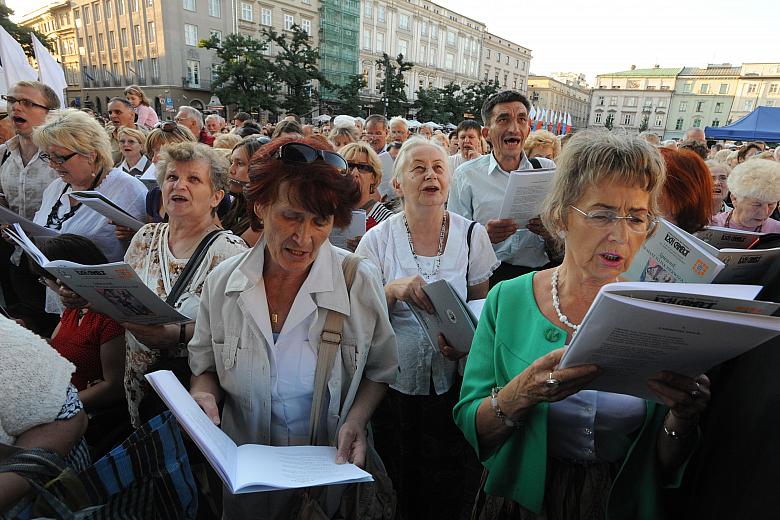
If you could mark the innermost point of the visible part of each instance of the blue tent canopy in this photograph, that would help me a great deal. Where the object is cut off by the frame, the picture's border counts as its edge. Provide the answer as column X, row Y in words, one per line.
column 762, row 124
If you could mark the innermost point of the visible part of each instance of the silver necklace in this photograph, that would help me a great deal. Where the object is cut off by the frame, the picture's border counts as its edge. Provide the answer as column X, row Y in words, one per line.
column 437, row 261
column 557, row 303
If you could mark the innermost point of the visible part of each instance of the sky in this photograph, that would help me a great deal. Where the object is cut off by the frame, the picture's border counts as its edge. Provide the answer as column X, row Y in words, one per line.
column 611, row 35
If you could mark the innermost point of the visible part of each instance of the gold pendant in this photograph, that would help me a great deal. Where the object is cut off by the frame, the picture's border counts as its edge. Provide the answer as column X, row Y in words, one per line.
column 274, row 317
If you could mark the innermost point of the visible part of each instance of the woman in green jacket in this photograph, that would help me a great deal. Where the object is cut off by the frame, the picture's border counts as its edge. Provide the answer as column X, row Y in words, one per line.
column 553, row 450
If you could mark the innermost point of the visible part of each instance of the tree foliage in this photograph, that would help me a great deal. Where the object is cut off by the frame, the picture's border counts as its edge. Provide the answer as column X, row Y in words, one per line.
column 296, row 66
column 349, row 95
column 452, row 104
column 393, row 85
column 644, row 124
column 22, row 34
column 609, row 123
column 245, row 77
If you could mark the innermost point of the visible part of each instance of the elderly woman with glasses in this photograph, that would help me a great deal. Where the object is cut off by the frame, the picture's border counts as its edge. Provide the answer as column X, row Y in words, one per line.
column 262, row 316
column 78, row 149
column 552, row 449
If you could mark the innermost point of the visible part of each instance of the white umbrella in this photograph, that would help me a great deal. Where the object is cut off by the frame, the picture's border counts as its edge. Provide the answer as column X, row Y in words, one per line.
column 323, row 118
column 414, row 123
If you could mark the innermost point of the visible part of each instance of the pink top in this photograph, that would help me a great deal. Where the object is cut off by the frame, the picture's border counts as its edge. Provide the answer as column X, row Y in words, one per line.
column 146, row 116
column 769, row 225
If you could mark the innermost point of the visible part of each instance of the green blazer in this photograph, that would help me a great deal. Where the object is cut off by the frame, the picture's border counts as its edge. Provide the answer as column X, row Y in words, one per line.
column 513, row 333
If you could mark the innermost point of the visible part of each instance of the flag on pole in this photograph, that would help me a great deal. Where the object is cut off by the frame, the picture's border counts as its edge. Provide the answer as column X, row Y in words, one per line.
column 50, row 70
column 540, row 118
column 551, row 121
column 15, row 65
column 568, row 122
column 532, row 116
column 560, row 124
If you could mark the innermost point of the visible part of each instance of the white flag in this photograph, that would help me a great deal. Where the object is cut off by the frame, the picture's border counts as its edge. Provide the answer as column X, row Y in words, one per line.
column 50, row 70
column 15, row 64
column 3, row 86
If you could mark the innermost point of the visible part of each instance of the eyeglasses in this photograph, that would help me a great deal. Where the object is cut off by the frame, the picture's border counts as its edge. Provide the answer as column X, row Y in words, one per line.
column 362, row 168
column 606, row 218
column 303, row 153
column 26, row 103
column 167, row 126
column 57, row 159
column 128, row 141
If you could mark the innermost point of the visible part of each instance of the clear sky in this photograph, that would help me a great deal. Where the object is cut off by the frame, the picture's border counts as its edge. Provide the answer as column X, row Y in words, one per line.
column 611, row 35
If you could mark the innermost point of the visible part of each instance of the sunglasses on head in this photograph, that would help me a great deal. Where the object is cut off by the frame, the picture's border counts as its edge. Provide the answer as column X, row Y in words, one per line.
column 303, row 153
column 167, row 126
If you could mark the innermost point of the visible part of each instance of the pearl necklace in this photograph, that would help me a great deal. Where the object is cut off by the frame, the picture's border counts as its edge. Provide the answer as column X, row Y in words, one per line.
column 557, row 303
column 437, row 261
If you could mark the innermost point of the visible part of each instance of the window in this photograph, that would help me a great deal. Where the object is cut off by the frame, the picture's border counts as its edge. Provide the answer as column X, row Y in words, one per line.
column 434, row 31
column 747, row 105
column 403, row 47
column 155, row 68
column 380, row 42
column 306, row 26
column 189, row 5
column 697, row 123
column 631, row 101
column 724, row 88
column 421, row 54
column 86, row 14
column 265, row 16
column 659, row 121
column 193, row 73
column 123, row 37
column 141, row 70
column 506, row 61
column 432, row 60
column 380, row 14
column 107, row 8
column 367, row 39
column 120, row 7
column 683, row 106
column 90, row 43
column 149, row 3
column 111, row 40
column 718, row 108
column 597, row 119
column 136, row 35
column 450, row 37
column 715, row 122
column 190, row 34
column 770, row 103
column 135, row 5
column 751, row 88
column 601, row 101
column 96, row 8
column 424, row 29
column 215, row 32
column 498, row 57
column 367, row 10
column 613, row 101
column 449, row 60
column 487, row 53
column 215, row 8
column 651, row 87
column 679, row 124
column 246, row 12
column 289, row 21
column 101, row 47
column 151, row 35
column 687, row 87
column 627, row 118
column 661, row 103
column 403, row 22
column 517, row 64
column 704, row 88
column 700, row 106
column 772, row 88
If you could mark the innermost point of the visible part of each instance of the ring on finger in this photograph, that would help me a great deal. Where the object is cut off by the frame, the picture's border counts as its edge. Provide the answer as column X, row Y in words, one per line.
column 552, row 383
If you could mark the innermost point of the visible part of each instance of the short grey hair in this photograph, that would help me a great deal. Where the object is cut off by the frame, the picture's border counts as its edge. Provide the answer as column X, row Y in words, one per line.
column 399, row 119
column 594, row 156
column 189, row 151
column 193, row 113
column 405, row 155
column 215, row 117
column 77, row 131
column 714, row 164
column 757, row 179
column 650, row 137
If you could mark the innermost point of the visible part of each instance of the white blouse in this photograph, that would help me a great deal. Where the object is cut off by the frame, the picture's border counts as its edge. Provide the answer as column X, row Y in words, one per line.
column 125, row 190
column 387, row 246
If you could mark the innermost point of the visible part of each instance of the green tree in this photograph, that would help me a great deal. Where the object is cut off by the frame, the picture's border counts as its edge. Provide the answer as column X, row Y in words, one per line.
column 393, row 86
column 427, row 104
column 349, row 94
column 476, row 94
column 644, row 124
column 453, row 104
column 296, row 67
column 22, row 34
column 245, row 78
column 609, row 123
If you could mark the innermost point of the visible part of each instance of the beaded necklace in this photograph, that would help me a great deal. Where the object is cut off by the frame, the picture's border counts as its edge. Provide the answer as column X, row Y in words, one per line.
column 437, row 261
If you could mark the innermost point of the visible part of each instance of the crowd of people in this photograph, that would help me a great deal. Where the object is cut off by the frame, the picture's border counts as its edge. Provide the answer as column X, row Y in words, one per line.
column 236, row 224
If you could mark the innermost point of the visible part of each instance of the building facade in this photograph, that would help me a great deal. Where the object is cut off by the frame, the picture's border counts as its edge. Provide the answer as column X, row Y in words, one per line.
column 444, row 46
column 339, row 42
column 505, row 62
column 562, row 97
column 253, row 17
column 633, row 99
column 758, row 85
column 702, row 97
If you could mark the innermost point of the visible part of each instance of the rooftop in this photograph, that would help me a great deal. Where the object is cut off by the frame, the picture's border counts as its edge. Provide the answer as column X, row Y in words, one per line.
column 710, row 71
column 643, row 73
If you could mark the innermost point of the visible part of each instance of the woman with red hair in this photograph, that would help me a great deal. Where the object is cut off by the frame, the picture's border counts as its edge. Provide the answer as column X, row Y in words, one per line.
column 686, row 198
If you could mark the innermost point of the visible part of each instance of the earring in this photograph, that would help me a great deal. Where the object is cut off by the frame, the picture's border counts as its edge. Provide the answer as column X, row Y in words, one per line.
column 371, row 189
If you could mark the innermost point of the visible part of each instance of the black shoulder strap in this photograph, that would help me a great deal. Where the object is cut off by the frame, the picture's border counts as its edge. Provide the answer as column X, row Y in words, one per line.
column 468, row 251
column 535, row 163
column 192, row 264
column 6, row 155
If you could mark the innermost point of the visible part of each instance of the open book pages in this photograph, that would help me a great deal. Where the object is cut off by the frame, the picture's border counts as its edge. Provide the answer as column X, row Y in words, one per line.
column 108, row 208
column 525, row 192
column 633, row 331
column 9, row 217
column 252, row 468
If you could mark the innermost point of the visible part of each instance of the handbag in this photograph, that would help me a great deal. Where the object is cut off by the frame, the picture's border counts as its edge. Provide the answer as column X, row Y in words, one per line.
column 146, row 477
column 366, row 500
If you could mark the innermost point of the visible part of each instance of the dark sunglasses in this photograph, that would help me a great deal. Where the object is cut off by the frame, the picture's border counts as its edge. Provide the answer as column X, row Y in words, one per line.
column 26, row 103
column 303, row 153
column 57, row 159
column 365, row 168
column 167, row 126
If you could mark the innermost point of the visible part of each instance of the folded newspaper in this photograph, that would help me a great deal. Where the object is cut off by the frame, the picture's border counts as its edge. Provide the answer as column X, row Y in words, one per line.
column 252, row 468
column 113, row 289
column 108, row 208
column 452, row 317
column 635, row 330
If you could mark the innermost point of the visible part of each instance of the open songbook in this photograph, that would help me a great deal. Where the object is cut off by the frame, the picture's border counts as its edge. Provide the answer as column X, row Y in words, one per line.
column 635, row 330
column 9, row 217
column 113, row 289
column 252, row 467
column 108, row 208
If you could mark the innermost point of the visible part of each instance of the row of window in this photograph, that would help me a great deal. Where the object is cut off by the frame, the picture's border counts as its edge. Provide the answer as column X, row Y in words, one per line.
column 93, row 11
column 628, row 119
column 506, row 59
column 151, row 37
column 632, row 102
column 131, row 71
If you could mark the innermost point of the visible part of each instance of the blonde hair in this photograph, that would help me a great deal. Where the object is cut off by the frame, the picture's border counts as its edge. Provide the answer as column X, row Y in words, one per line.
column 228, row 141
column 757, row 179
column 159, row 137
column 542, row 138
column 593, row 157
column 77, row 131
column 352, row 150
column 134, row 133
column 722, row 155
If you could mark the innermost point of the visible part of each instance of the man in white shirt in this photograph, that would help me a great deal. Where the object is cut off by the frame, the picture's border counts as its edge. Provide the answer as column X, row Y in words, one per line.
column 399, row 130
column 469, row 134
column 479, row 186
column 375, row 134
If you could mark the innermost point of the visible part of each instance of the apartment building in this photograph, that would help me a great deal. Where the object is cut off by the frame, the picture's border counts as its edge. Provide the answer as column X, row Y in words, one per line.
column 758, row 85
column 505, row 62
column 568, row 96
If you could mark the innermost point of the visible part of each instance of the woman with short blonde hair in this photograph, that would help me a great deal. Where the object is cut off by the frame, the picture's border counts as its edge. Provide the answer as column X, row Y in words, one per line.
column 542, row 143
